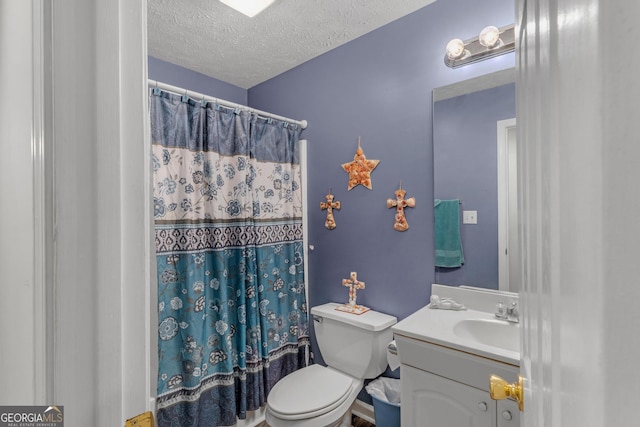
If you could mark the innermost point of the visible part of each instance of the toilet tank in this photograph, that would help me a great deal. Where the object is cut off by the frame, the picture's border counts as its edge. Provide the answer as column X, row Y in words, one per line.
column 351, row 343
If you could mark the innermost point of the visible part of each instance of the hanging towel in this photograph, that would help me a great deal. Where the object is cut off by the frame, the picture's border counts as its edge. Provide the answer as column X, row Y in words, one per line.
column 448, row 245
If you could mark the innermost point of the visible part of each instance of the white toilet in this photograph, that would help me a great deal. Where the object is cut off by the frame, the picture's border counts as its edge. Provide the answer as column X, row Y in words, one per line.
column 354, row 347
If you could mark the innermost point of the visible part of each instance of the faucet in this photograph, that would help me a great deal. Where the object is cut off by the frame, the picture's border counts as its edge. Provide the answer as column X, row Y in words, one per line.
column 510, row 314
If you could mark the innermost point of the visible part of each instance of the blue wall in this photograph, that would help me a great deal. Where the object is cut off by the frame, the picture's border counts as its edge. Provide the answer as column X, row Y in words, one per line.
column 175, row 75
column 465, row 167
column 377, row 87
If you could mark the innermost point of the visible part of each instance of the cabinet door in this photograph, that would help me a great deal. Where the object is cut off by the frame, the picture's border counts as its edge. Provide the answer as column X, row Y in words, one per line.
column 508, row 413
column 432, row 401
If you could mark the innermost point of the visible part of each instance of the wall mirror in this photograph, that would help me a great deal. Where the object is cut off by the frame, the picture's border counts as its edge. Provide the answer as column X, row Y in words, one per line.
column 474, row 154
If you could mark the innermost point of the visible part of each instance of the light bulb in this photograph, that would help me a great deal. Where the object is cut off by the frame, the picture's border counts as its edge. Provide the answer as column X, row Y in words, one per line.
column 489, row 37
column 455, row 49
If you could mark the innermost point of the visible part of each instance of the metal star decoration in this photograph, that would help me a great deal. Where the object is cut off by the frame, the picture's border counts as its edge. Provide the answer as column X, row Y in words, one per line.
column 360, row 169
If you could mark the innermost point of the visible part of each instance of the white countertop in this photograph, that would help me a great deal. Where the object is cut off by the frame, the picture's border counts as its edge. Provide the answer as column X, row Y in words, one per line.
column 437, row 326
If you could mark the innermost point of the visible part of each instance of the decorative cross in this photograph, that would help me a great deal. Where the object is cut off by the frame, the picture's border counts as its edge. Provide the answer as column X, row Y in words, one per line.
column 354, row 284
column 399, row 203
column 330, row 205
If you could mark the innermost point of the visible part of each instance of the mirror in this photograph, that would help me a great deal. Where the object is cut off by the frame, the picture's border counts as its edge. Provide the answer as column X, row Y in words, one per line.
column 474, row 161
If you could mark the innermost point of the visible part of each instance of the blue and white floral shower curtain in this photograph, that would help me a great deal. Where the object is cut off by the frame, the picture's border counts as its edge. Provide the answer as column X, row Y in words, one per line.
column 231, row 300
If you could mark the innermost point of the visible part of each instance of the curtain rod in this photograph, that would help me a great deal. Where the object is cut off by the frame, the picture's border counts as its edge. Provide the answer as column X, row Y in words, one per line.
column 195, row 95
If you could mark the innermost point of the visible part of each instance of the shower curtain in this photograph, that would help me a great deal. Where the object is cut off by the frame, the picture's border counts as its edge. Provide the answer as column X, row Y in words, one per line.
column 231, row 299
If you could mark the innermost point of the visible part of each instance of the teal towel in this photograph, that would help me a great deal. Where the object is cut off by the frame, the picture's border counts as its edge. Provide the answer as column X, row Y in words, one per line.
column 448, row 244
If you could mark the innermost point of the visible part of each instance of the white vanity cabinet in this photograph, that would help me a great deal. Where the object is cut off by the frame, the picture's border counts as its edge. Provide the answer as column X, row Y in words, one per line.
column 431, row 400
column 446, row 387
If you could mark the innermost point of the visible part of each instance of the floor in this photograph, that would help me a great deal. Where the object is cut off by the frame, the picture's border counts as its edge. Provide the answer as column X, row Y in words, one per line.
column 356, row 422
column 359, row 422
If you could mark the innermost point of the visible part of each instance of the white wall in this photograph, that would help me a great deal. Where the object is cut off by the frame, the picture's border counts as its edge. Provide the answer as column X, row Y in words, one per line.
column 17, row 323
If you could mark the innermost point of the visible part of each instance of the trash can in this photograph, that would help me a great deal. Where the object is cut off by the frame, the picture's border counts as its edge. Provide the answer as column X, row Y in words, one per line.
column 385, row 393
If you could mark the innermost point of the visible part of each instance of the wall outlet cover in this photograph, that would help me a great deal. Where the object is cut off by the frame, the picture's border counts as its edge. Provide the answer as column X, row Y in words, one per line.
column 469, row 217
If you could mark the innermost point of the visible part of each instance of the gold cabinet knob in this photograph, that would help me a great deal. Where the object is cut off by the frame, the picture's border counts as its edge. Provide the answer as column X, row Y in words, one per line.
column 500, row 389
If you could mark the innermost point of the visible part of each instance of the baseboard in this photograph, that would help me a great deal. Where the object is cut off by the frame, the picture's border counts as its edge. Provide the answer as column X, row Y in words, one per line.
column 363, row 410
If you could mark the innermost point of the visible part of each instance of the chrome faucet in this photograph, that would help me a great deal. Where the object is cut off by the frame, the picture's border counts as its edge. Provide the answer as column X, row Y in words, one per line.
column 501, row 313
column 513, row 315
column 510, row 314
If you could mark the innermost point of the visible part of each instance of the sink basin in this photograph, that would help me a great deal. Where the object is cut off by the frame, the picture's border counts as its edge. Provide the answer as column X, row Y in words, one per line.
column 494, row 333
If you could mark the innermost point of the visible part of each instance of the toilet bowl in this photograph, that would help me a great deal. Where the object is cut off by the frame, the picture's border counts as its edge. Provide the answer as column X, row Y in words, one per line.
column 315, row 396
column 354, row 348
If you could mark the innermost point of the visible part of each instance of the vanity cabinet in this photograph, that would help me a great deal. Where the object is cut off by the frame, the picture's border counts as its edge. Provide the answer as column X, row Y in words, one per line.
column 432, row 400
column 446, row 387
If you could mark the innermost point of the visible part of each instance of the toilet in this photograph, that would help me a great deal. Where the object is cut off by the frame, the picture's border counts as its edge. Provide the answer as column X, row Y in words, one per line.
column 354, row 348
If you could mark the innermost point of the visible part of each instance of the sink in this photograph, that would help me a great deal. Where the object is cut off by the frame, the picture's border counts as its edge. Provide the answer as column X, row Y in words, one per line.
column 494, row 333
column 475, row 330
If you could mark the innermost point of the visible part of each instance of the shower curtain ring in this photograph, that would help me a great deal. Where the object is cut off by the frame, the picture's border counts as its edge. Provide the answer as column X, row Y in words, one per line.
column 156, row 89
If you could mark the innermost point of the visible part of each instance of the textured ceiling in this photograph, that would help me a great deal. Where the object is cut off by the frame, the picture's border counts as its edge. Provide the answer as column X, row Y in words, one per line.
column 209, row 37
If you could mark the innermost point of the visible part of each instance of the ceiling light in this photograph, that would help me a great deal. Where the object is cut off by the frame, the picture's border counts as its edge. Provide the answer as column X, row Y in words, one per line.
column 248, row 7
column 491, row 42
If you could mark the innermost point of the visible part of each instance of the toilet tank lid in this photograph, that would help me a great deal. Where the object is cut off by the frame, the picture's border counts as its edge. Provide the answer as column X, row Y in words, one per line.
column 370, row 320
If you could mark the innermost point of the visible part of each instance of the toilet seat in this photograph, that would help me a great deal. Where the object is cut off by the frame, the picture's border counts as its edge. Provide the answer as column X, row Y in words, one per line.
column 309, row 392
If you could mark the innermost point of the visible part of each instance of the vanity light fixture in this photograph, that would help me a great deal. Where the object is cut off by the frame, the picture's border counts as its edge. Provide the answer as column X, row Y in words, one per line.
column 491, row 42
column 248, row 7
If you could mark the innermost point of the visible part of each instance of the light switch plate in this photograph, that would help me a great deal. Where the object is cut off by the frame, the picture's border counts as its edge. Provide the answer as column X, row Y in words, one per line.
column 469, row 217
